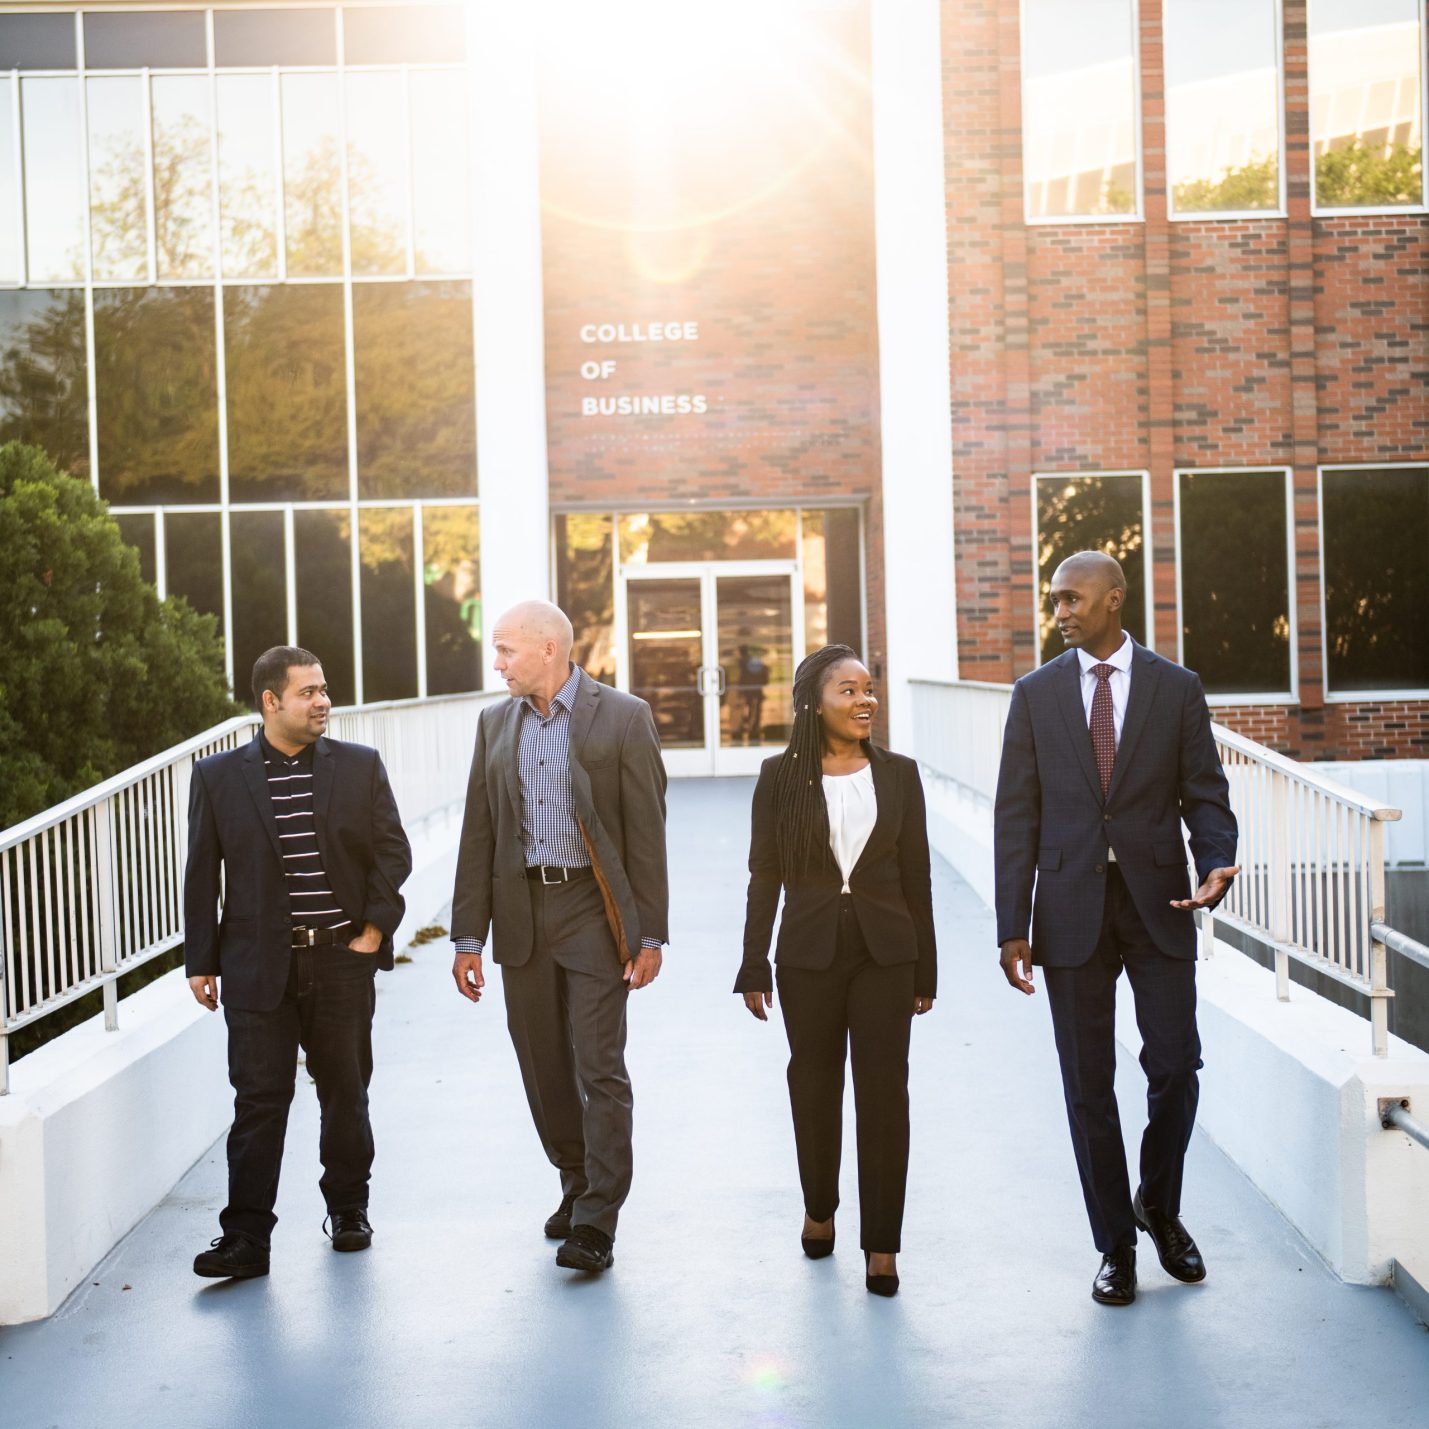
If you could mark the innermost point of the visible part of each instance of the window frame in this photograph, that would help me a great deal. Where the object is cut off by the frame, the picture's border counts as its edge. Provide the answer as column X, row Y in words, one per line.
column 1290, row 696
column 1353, row 697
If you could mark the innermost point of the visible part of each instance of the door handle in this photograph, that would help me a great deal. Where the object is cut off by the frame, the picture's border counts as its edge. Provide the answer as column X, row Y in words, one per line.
column 710, row 679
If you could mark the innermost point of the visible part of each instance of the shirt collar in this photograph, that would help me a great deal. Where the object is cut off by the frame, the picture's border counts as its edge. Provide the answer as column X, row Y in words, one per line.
column 304, row 756
column 1120, row 659
column 565, row 696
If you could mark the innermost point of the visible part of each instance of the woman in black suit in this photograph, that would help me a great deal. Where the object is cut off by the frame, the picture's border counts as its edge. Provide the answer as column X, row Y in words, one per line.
column 840, row 827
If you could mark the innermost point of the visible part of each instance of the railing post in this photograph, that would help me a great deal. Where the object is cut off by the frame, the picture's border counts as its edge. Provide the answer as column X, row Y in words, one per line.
column 1379, row 993
column 4, row 1056
column 1280, row 881
column 104, row 886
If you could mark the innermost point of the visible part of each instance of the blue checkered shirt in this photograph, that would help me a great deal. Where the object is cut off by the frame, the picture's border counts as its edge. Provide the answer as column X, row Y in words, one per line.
column 548, row 822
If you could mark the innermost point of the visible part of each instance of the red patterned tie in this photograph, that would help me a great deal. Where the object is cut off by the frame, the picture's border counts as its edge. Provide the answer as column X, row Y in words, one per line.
column 1103, row 725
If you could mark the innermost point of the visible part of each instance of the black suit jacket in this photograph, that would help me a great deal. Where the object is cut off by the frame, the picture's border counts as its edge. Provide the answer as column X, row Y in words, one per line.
column 1053, row 828
column 891, row 884
column 232, row 828
column 618, row 793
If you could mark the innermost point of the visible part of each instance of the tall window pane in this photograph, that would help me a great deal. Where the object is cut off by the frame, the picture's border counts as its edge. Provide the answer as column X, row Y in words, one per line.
column 312, row 175
column 1377, row 579
column 585, row 589
column 43, row 384
column 1079, row 101
column 416, row 414
column 193, row 562
column 183, row 182
column 9, row 187
column 389, row 605
column 1235, row 594
column 287, row 398
column 451, row 575
column 1222, row 105
column 156, row 388
column 377, row 172
column 138, row 531
column 1090, row 513
column 260, row 592
column 54, row 179
column 1366, row 103
column 248, row 175
column 118, row 199
column 440, row 177
column 833, row 580
column 322, row 566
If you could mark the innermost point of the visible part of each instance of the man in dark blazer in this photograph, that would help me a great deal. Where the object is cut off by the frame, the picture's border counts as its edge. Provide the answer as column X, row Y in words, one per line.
column 562, row 858
column 1108, row 750
column 306, row 835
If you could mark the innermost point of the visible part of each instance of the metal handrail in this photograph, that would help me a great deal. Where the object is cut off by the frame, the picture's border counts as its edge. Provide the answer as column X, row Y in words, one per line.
column 1394, row 1116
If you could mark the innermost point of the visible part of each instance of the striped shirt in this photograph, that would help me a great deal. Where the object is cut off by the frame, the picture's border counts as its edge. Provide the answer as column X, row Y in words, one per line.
column 290, row 787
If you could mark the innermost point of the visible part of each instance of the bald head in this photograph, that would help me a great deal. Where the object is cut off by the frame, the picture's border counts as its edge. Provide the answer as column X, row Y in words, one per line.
column 532, row 644
column 540, row 621
column 1091, row 568
column 1088, row 590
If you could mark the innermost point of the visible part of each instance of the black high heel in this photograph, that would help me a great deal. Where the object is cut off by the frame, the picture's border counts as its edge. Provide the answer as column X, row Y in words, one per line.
column 878, row 1284
column 817, row 1247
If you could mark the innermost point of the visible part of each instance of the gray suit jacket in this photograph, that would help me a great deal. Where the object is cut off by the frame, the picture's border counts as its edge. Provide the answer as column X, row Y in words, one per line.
column 618, row 790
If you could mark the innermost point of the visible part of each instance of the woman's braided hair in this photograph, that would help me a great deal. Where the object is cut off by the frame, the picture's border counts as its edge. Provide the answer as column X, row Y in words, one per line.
column 802, row 828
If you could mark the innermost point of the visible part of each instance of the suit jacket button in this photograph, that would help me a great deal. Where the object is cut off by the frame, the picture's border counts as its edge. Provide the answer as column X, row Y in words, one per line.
column 1101, row 868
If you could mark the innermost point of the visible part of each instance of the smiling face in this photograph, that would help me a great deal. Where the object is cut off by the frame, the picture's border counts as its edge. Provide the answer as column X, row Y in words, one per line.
column 299, row 715
column 847, row 704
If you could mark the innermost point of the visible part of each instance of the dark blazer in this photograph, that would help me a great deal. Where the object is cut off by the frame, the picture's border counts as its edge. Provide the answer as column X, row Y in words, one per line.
column 618, row 790
column 231, row 826
column 891, row 884
column 1051, row 824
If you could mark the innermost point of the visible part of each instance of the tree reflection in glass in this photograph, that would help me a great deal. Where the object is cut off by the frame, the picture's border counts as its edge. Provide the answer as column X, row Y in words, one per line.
column 54, row 180
column 183, row 181
column 43, row 382
column 247, row 176
column 260, row 592
column 585, row 589
column 322, row 569
column 118, row 197
column 389, row 604
column 709, row 536
column 312, row 175
column 441, row 201
column 377, row 173
column 193, row 559
column 451, row 575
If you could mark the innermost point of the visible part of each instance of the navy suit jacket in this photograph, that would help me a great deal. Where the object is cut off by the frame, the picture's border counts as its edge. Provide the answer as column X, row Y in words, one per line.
column 1052, row 828
column 231, row 827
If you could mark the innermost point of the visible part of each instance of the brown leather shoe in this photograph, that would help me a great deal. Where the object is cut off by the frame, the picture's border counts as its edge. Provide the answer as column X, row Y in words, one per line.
column 1180, row 1257
column 1116, row 1280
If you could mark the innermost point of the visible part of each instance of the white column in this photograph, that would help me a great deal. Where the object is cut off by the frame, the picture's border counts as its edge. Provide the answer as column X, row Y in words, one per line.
column 912, row 248
column 510, row 335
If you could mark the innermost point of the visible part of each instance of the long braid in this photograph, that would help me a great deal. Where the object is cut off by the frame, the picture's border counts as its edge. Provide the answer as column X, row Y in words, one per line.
column 802, row 830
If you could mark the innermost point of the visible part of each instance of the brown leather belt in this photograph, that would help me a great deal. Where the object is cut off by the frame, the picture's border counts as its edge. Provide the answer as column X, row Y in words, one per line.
column 551, row 873
column 318, row 937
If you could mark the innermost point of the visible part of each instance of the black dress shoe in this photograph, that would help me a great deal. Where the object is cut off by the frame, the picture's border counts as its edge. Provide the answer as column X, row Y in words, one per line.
column 586, row 1248
column 878, row 1284
column 817, row 1247
column 351, row 1230
column 1180, row 1257
column 558, row 1223
column 232, row 1256
column 1116, row 1280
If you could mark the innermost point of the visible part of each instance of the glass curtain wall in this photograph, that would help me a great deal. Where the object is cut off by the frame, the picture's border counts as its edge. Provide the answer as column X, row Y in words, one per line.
column 236, row 294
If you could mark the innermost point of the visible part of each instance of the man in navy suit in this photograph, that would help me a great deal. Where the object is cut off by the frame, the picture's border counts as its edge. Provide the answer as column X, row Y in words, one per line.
column 306, row 834
column 1108, row 750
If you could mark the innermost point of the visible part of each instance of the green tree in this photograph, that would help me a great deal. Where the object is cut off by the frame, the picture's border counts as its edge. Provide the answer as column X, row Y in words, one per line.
column 1252, row 186
column 96, row 672
column 1374, row 177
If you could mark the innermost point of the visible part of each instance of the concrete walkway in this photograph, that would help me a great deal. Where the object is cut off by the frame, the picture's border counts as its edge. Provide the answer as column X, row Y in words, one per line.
column 712, row 1316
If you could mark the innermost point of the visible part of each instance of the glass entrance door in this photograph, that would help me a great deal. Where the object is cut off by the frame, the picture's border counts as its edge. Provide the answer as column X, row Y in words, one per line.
column 712, row 648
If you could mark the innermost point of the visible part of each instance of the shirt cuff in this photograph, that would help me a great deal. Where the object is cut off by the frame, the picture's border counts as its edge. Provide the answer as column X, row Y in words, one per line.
column 468, row 945
column 651, row 943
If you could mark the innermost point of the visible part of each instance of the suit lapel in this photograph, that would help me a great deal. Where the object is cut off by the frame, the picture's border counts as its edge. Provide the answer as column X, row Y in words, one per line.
column 322, row 792
column 1142, row 695
column 885, row 793
column 255, row 775
column 1074, row 712
column 511, row 756
column 583, row 716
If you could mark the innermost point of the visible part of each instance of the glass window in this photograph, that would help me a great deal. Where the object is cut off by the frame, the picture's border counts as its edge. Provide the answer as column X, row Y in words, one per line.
column 1222, row 105
column 260, row 591
column 193, row 568
column 118, row 197
column 416, row 406
column 585, row 589
column 322, row 568
column 441, row 214
column 389, row 604
column 1235, row 595
column 708, row 536
column 138, row 531
column 312, row 175
column 54, row 179
column 403, row 34
column 1376, row 531
column 258, row 38
column 134, row 39
column 287, row 397
column 37, row 42
column 156, row 391
column 451, row 574
column 377, row 172
column 1366, row 103
column 44, row 395
column 183, row 179
column 247, row 175
column 1090, row 513
column 9, row 187
column 1079, row 105
column 833, row 580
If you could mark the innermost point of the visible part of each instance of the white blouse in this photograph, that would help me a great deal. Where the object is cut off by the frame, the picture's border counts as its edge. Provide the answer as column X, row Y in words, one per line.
column 853, row 808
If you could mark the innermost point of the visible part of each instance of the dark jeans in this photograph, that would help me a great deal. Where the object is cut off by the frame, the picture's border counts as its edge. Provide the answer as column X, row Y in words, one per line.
column 1083, row 1002
column 327, row 1010
column 859, row 1004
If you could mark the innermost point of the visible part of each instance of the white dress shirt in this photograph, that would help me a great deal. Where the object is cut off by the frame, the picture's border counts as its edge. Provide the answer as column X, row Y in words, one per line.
column 1120, row 682
column 853, row 810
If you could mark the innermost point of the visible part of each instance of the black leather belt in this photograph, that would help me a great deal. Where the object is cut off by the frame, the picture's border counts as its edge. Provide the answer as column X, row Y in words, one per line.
column 549, row 873
column 318, row 937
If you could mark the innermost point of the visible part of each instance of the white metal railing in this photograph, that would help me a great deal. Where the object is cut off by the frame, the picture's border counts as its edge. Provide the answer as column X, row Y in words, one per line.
column 1311, row 851
column 93, row 888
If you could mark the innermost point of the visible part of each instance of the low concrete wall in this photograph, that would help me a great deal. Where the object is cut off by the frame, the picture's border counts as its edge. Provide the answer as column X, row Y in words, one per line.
column 99, row 1126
